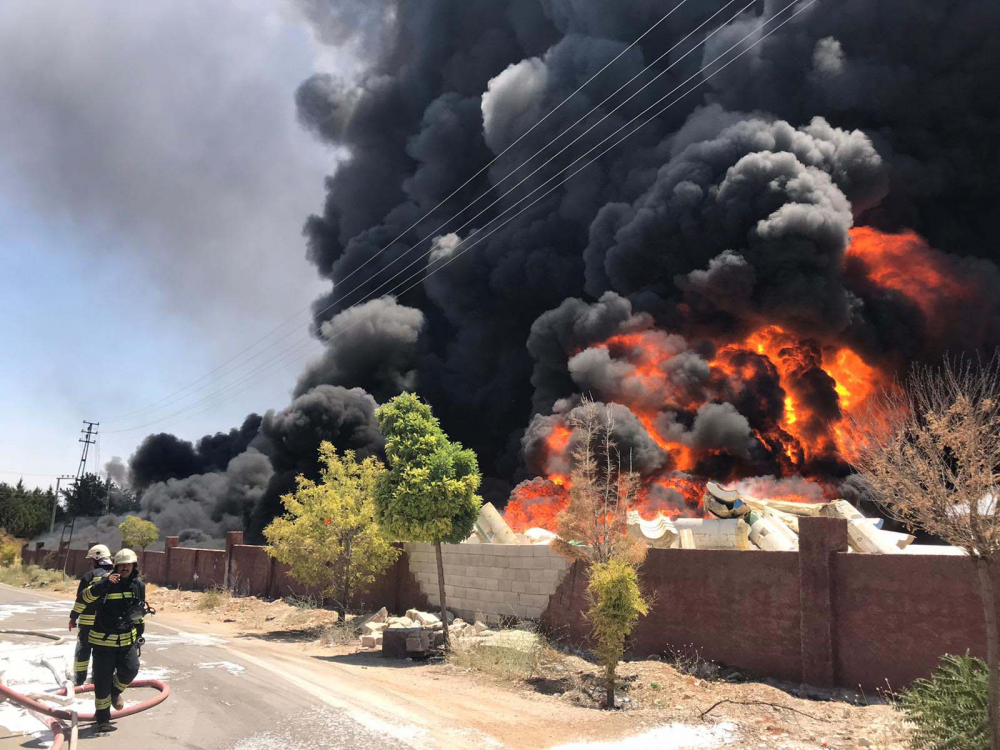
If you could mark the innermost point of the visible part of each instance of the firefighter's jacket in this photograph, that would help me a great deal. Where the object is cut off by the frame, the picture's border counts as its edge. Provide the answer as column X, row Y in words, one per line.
column 118, row 620
column 83, row 613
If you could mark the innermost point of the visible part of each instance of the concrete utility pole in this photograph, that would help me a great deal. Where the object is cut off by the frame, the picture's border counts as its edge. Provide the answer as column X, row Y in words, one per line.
column 55, row 502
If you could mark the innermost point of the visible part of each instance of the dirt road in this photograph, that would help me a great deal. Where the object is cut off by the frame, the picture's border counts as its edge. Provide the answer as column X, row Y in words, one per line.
column 224, row 695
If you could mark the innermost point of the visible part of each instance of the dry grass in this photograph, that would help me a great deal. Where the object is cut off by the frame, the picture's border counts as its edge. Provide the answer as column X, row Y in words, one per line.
column 514, row 655
column 32, row 576
column 213, row 599
column 688, row 660
column 339, row 634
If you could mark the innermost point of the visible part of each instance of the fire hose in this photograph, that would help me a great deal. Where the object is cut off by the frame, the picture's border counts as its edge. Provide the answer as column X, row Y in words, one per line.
column 55, row 716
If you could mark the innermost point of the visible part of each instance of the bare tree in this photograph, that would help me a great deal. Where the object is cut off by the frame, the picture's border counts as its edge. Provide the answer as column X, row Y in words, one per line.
column 594, row 527
column 601, row 493
column 929, row 450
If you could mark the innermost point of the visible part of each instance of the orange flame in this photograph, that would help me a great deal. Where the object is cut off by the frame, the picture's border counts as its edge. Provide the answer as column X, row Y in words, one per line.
column 798, row 436
column 535, row 503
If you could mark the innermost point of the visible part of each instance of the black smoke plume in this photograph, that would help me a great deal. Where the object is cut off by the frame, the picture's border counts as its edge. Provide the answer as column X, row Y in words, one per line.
column 730, row 209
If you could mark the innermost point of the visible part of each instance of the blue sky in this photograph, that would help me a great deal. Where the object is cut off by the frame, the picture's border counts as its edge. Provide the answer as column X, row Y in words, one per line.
column 153, row 186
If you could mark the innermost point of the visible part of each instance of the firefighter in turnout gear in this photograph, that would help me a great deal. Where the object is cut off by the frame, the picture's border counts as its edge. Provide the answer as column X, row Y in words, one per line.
column 117, row 633
column 82, row 615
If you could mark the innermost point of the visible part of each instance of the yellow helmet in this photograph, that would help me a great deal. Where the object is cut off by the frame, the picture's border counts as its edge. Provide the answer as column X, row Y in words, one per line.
column 97, row 552
column 125, row 556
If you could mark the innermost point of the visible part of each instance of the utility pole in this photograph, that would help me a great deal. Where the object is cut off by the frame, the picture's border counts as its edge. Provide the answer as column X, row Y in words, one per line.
column 55, row 502
column 88, row 440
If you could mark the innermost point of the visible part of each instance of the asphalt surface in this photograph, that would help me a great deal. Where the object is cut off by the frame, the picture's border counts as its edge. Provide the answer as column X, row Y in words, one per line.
column 221, row 698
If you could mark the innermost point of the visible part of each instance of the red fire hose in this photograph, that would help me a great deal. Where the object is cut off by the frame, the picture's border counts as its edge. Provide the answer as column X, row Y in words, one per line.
column 53, row 715
column 60, row 713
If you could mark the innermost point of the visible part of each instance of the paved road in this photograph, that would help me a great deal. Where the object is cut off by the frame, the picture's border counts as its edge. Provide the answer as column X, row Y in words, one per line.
column 222, row 698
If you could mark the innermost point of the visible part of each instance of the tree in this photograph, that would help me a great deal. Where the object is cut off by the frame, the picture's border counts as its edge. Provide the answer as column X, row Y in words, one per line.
column 929, row 451
column 328, row 535
column 25, row 513
column 429, row 492
column 600, row 494
column 88, row 496
column 615, row 605
column 137, row 532
column 594, row 527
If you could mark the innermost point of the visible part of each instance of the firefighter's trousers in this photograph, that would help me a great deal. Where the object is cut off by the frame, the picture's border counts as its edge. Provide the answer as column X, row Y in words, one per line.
column 114, row 670
column 81, row 657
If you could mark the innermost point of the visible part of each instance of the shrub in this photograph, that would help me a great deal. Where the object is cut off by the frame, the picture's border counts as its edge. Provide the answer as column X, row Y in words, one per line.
column 10, row 550
column 615, row 604
column 213, row 599
column 949, row 710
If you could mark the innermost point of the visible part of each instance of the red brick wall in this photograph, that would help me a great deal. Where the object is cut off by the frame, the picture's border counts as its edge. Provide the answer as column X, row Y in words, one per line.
column 210, row 566
column 251, row 570
column 895, row 615
column 820, row 616
column 153, row 567
column 734, row 607
column 182, row 567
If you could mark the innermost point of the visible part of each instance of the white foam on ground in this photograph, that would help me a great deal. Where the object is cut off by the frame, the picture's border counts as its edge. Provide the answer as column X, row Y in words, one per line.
column 234, row 669
column 161, row 640
column 23, row 671
column 312, row 730
column 30, row 608
column 669, row 737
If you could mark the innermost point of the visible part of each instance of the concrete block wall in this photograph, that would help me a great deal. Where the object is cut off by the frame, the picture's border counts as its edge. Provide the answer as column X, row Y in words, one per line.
column 490, row 581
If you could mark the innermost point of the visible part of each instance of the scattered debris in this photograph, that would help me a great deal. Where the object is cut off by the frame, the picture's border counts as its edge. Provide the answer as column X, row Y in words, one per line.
column 415, row 633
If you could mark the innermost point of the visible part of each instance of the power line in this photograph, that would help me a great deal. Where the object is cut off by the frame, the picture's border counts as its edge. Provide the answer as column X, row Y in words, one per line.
column 627, row 135
column 428, row 213
column 27, row 474
column 307, row 340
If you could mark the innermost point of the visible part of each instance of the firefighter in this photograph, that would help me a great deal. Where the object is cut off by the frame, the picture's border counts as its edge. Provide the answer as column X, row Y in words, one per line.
column 117, row 633
column 83, row 614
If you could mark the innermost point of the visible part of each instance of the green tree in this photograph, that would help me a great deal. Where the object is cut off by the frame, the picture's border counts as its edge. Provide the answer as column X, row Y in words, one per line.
column 88, row 496
column 429, row 492
column 25, row 513
column 328, row 535
column 137, row 532
column 615, row 604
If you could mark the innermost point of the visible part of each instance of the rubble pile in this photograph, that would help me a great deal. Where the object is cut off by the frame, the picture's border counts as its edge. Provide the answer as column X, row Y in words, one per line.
column 415, row 632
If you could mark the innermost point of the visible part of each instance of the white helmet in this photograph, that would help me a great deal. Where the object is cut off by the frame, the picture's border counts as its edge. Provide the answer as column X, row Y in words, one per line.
column 97, row 552
column 125, row 556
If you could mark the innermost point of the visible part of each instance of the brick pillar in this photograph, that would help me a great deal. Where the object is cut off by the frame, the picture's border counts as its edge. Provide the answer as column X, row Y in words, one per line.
column 232, row 539
column 168, row 544
column 819, row 540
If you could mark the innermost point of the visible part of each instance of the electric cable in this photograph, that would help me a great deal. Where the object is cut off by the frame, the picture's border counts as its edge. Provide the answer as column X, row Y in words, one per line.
column 307, row 341
column 699, row 83
column 429, row 212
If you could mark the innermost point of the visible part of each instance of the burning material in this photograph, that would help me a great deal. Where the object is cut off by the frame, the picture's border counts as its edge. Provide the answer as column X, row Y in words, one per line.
column 743, row 522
